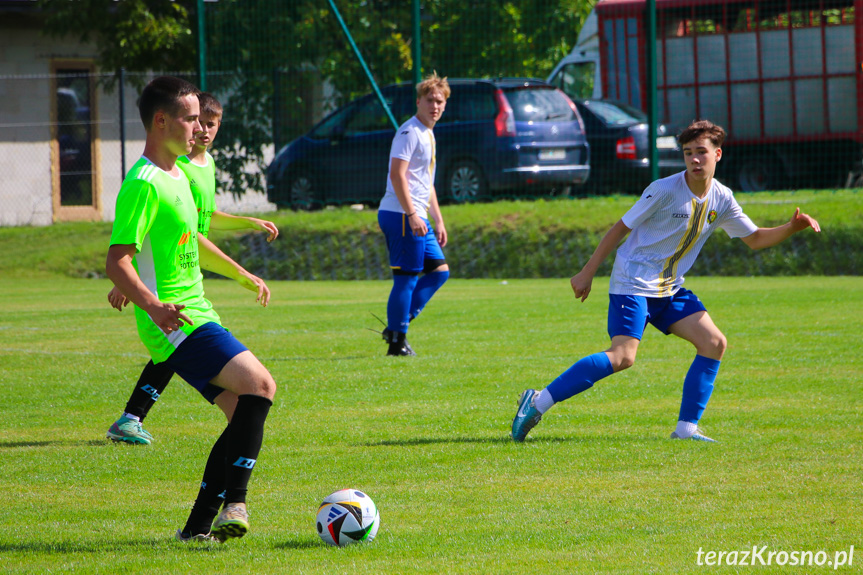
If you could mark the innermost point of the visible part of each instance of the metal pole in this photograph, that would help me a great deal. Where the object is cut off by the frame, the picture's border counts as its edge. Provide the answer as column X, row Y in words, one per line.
column 277, row 117
column 202, row 48
column 418, row 72
column 122, row 93
column 652, row 104
column 363, row 64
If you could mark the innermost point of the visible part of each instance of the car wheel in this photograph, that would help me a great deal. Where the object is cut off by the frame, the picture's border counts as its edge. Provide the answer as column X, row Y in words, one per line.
column 303, row 191
column 465, row 182
column 561, row 191
column 758, row 174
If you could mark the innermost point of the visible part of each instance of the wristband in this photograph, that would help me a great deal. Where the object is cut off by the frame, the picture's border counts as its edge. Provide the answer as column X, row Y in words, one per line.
column 412, row 213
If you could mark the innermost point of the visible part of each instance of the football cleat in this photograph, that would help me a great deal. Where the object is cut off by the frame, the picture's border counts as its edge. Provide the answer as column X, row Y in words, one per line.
column 527, row 415
column 129, row 431
column 232, row 522
column 398, row 343
column 199, row 538
column 697, row 436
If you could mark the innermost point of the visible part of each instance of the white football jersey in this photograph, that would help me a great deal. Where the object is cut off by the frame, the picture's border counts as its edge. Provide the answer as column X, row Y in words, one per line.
column 414, row 142
column 669, row 226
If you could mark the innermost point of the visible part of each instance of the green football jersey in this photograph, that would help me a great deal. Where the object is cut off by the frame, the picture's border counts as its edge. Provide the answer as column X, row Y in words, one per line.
column 156, row 212
column 203, row 182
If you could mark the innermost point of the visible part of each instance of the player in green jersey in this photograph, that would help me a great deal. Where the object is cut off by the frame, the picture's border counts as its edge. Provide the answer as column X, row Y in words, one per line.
column 155, row 259
column 199, row 167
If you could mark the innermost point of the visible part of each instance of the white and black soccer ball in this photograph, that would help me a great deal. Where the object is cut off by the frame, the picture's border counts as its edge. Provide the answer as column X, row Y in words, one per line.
column 347, row 516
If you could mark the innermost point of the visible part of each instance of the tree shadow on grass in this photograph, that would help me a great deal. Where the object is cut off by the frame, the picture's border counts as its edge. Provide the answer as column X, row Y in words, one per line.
column 438, row 440
column 70, row 547
column 337, row 358
column 54, row 443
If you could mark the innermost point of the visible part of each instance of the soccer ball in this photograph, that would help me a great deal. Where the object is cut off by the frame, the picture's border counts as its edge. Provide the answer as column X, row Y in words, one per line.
column 346, row 517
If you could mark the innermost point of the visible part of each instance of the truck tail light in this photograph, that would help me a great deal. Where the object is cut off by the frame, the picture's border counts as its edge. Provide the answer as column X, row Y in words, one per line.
column 625, row 149
column 504, row 121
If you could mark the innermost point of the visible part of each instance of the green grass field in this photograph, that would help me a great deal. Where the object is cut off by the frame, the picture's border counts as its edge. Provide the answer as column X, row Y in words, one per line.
column 597, row 488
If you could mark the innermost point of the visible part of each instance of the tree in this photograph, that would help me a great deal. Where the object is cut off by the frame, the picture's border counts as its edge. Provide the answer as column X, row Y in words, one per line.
column 139, row 35
column 301, row 43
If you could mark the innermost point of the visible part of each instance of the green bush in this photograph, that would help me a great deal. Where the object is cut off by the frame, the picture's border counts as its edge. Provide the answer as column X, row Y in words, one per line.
column 495, row 240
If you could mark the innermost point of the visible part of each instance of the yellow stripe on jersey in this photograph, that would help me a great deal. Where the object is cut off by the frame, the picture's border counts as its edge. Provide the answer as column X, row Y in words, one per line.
column 669, row 270
column 431, row 164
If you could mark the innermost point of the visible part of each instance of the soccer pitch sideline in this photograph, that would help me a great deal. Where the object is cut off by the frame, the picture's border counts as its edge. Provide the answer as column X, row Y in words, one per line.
column 597, row 488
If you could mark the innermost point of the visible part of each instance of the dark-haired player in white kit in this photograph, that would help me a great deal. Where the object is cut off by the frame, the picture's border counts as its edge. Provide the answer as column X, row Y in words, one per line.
column 669, row 225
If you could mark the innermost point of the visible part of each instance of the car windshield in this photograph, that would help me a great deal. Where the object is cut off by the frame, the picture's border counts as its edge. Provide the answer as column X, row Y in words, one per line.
column 614, row 113
column 539, row 105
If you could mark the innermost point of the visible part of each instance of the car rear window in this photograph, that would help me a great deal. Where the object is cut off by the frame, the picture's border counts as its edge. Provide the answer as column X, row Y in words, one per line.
column 468, row 106
column 539, row 105
column 615, row 114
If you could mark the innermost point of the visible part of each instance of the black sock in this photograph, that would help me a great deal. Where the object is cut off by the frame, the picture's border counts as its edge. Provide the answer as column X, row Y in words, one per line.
column 245, row 434
column 153, row 381
column 211, row 494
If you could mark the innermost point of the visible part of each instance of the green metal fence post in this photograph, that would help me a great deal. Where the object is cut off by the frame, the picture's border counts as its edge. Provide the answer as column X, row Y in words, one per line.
column 652, row 104
column 418, row 72
column 202, row 48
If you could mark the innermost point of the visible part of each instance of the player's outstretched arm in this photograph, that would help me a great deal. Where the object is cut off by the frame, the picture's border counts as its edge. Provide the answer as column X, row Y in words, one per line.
column 768, row 237
column 223, row 221
column 583, row 280
column 118, row 266
column 215, row 260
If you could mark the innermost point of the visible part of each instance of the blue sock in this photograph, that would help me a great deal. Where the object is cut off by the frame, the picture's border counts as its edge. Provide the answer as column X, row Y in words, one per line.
column 697, row 388
column 581, row 376
column 426, row 288
column 398, row 306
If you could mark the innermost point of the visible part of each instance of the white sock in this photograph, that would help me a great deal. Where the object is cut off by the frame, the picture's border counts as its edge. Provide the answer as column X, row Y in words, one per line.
column 130, row 416
column 685, row 429
column 543, row 401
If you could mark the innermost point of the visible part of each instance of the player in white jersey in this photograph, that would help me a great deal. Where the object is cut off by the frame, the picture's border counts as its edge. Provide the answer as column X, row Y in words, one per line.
column 669, row 224
column 414, row 246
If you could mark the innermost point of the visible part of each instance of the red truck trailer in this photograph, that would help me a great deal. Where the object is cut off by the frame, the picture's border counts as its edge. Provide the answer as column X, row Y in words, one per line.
column 782, row 76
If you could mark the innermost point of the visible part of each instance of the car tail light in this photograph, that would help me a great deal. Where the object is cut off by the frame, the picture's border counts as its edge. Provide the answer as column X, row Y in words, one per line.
column 625, row 149
column 504, row 122
column 574, row 110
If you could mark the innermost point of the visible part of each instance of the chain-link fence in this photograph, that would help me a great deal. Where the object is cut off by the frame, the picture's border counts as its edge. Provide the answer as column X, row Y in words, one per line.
column 781, row 75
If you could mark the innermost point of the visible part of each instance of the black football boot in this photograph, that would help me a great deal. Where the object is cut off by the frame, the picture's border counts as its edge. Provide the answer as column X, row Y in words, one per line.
column 398, row 343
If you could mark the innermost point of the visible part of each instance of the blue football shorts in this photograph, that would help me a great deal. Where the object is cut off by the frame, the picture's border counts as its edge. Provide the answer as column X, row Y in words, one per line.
column 203, row 355
column 409, row 253
column 630, row 314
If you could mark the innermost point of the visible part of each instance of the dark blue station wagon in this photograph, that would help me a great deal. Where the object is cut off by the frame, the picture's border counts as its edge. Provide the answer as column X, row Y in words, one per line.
column 504, row 137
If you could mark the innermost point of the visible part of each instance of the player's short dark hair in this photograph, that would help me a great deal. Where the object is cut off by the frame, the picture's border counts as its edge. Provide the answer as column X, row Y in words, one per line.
column 209, row 104
column 700, row 129
column 163, row 93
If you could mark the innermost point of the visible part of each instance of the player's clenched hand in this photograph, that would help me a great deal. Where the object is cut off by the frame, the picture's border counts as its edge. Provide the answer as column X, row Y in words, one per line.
column 265, row 226
column 256, row 284
column 117, row 300
column 581, row 283
column 168, row 316
column 801, row 221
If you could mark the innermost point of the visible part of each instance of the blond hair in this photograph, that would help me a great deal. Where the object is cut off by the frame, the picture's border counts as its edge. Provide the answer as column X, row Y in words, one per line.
column 433, row 82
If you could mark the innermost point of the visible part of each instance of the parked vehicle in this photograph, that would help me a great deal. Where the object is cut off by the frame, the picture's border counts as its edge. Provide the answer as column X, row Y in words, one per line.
column 619, row 154
column 502, row 136
column 781, row 77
